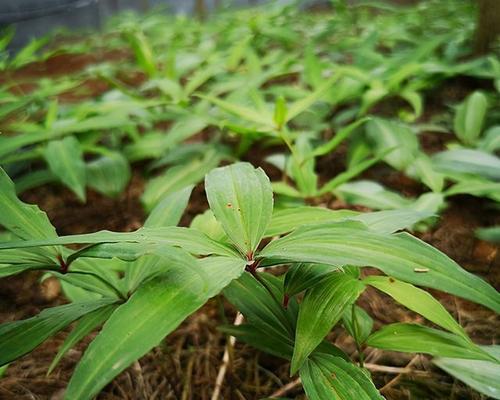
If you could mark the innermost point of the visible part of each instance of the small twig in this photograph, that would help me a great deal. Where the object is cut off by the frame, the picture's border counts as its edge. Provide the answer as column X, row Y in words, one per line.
column 393, row 370
column 396, row 378
column 225, row 360
column 285, row 389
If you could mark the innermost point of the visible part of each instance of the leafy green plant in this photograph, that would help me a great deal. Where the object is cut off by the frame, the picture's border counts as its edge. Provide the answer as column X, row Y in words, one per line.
column 168, row 272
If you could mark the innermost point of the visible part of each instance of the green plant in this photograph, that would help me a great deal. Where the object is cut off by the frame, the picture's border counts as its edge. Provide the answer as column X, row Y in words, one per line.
column 171, row 271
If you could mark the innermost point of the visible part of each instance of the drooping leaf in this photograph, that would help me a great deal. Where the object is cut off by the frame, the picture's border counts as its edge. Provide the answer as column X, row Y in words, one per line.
column 399, row 255
column 321, row 309
column 289, row 219
column 20, row 337
column 84, row 326
column 328, row 377
column 371, row 194
column 468, row 161
column 65, row 160
column 413, row 338
column 417, row 300
column 191, row 240
column 478, row 374
column 241, row 199
column 157, row 308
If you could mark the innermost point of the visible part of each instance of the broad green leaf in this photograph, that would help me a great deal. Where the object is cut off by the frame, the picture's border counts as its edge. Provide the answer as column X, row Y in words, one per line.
column 387, row 134
column 490, row 234
column 289, row 219
column 20, row 337
column 108, row 174
column 491, row 140
column 417, row 300
column 304, row 276
column 413, row 338
column 169, row 210
column 207, row 224
column 157, row 308
column 399, row 255
column 328, row 377
column 469, row 117
column 392, row 220
column 177, row 178
column 65, row 160
column 358, row 323
column 480, row 375
column 191, row 240
column 371, row 194
column 468, row 161
column 260, row 308
column 425, row 171
column 23, row 220
column 83, row 327
column 321, row 309
column 476, row 187
column 241, row 199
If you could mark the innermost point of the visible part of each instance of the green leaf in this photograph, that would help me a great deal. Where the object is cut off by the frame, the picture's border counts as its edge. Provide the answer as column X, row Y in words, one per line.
column 339, row 137
column 304, row 276
column 246, row 113
column 157, row 308
column 177, row 178
column 109, row 174
column 387, row 134
column 280, row 112
column 490, row 234
column 328, row 377
column 241, row 199
column 417, row 300
column 321, row 309
column 358, row 323
column 469, row 117
column 84, row 326
column 65, row 160
column 399, row 255
column 480, row 375
column 303, row 104
column 142, row 51
column 169, row 210
column 23, row 220
column 191, row 240
column 289, row 219
column 392, row 220
column 468, row 161
column 371, row 194
column 413, row 338
column 20, row 337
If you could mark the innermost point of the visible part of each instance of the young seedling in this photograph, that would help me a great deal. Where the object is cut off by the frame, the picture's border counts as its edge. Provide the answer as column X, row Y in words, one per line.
column 170, row 272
